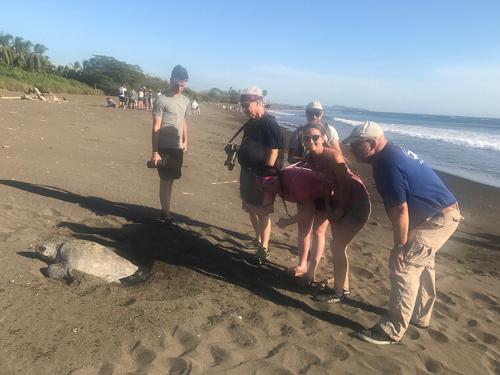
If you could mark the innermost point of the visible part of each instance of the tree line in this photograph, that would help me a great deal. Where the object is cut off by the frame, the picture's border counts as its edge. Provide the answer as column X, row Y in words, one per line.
column 100, row 72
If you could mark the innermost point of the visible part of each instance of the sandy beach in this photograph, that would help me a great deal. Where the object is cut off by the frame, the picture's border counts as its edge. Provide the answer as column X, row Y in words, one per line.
column 77, row 170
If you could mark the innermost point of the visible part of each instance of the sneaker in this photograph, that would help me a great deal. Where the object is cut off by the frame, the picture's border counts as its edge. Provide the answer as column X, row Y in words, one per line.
column 253, row 246
column 263, row 254
column 375, row 335
column 167, row 221
column 331, row 296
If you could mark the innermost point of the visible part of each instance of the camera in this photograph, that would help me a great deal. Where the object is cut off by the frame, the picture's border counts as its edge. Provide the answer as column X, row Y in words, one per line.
column 161, row 163
column 231, row 150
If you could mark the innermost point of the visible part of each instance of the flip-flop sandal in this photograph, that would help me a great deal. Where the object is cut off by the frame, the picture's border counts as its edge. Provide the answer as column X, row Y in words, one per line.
column 293, row 272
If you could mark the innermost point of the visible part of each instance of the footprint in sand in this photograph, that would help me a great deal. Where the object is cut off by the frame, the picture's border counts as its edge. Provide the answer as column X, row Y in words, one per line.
column 485, row 301
column 472, row 323
column 437, row 336
column 142, row 355
column 340, row 353
column 413, row 333
column 107, row 369
column 296, row 359
column 241, row 336
column 220, row 355
column 177, row 366
column 445, row 298
column 487, row 338
column 433, row 366
column 361, row 272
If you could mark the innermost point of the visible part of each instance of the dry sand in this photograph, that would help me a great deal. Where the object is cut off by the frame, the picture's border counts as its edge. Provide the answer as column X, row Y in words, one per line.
column 77, row 170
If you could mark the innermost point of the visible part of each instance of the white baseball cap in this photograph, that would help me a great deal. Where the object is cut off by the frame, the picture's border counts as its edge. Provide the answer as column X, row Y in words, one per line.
column 369, row 129
column 315, row 105
column 252, row 91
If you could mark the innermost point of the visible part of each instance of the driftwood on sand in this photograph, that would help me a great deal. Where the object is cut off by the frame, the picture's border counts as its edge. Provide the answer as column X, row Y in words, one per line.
column 36, row 94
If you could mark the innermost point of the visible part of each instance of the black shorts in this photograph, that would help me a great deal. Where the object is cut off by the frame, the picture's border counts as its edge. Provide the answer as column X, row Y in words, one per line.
column 249, row 191
column 122, row 99
column 172, row 159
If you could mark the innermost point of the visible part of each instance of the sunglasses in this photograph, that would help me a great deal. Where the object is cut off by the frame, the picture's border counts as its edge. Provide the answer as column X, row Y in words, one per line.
column 314, row 138
column 246, row 104
column 314, row 113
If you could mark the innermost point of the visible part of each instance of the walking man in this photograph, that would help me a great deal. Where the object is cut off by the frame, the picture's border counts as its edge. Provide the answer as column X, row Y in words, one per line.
column 170, row 136
column 424, row 214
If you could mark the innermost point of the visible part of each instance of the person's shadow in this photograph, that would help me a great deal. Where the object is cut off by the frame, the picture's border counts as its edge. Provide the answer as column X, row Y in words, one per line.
column 145, row 240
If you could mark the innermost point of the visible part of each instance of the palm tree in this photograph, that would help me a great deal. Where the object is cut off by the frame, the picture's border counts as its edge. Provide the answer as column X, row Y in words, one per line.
column 6, row 55
column 6, row 39
column 39, row 48
column 21, row 45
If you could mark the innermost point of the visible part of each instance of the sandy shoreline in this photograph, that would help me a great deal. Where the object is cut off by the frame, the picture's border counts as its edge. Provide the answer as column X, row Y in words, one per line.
column 77, row 170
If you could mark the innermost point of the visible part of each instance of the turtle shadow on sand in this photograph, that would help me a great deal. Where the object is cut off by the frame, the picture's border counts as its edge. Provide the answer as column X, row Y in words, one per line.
column 146, row 241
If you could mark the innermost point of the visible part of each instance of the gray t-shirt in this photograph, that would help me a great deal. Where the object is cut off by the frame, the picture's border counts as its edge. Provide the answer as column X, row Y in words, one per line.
column 172, row 110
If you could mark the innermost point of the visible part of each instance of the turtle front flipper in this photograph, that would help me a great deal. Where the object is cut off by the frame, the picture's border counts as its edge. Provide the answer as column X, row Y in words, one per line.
column 57, row 271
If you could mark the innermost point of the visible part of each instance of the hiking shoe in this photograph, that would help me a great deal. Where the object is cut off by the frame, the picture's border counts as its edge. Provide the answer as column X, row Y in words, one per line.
column 263, row 254
column 375, row 335
column 167, row 221
column 331, row 296
column 253, row 246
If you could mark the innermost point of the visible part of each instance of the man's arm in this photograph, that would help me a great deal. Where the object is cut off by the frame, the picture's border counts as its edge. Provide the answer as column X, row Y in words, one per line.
column 185, row 137
column 400, row 219
column 155, row 139
column 272, row 156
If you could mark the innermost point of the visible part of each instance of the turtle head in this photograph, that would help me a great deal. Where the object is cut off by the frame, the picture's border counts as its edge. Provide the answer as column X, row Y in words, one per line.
column 47, row 250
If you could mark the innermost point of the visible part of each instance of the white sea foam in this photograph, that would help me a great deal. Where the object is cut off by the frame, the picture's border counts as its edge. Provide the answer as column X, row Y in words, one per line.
column 281, row 113
column 457, row 137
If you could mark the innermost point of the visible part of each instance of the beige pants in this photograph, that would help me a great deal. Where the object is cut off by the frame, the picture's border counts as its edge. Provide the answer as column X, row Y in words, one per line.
column 413, row 290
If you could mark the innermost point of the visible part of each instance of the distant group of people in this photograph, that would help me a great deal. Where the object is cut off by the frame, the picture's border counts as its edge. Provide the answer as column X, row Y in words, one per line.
column 142, row 99
column 423, row 212
column 132, row 99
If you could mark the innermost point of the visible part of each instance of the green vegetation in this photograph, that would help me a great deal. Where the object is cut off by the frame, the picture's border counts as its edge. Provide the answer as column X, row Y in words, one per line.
column 23, row 64
column 16, row 79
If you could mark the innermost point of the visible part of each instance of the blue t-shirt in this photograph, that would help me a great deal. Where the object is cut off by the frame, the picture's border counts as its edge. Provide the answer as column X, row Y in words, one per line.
column 401, row 176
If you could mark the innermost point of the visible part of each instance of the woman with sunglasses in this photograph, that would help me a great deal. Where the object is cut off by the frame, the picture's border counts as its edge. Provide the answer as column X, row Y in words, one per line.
column 348, row 206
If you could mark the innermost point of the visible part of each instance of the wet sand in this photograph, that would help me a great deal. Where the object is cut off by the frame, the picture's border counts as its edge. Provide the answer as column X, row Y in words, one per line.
column 77, row 170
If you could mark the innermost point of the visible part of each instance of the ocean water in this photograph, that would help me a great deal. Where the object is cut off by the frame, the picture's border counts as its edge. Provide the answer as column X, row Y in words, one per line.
column 468, row 147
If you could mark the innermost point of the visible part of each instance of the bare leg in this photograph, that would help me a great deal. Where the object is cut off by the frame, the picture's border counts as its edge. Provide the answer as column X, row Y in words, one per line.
column 319, row 229
column 305, row 215
column 165, row 195
column 255, row 224
column 304, row 243
column 264, row 230
column 343, row 232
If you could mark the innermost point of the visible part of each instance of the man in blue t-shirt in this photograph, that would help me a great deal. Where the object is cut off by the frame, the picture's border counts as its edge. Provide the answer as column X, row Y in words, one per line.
column 258, row 155
column 424, row 214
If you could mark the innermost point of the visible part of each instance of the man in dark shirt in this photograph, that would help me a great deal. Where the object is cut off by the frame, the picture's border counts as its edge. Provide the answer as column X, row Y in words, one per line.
column 257, row 155
column 424, row 214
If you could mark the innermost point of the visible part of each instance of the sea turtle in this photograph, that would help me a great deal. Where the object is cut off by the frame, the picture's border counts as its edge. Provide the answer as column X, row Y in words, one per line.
column 84, row 256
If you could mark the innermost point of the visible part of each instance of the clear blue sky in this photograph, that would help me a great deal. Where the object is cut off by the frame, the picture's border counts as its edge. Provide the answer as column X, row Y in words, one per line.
column 435, row 56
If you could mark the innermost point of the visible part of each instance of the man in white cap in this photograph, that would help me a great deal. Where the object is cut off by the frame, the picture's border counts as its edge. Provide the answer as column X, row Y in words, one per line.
column 314, row 115
column 169, row 136
column 424, row 214
column 258, row 156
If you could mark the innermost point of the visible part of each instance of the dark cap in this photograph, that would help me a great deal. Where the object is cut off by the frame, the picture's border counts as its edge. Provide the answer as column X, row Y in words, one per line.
column 179, row 73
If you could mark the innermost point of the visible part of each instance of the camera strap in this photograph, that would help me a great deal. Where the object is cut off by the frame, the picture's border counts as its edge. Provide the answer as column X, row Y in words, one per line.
column 237, row 133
